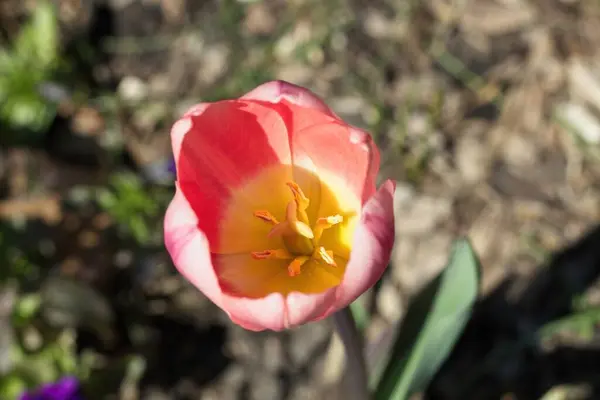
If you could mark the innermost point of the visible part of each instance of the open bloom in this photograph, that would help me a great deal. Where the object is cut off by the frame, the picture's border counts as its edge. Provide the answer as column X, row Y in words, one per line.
column 64, row 389
column 276, row 217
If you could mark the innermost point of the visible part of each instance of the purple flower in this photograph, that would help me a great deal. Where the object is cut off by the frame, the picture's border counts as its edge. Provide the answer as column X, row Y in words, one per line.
column 172, row 167
column 160, row 171
column 64, row 389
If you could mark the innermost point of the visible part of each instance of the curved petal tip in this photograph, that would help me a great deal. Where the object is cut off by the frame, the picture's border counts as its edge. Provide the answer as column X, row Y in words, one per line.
column 275, row 91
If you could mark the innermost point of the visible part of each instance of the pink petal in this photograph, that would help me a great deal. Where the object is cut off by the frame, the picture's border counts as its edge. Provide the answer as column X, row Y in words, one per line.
column 339, row 150
column 257, row 314
column 303, row 308
column 315, row 130
column 277, row 313
column 189, row 249
column 276, row 91
column 372, row 246
column 183, row 126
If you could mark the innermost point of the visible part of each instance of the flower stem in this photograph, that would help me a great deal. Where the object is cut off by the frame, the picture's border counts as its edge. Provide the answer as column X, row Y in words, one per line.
column 356, row 372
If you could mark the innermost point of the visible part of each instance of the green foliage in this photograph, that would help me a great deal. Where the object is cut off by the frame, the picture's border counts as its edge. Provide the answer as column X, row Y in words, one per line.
column 359, row 314
column 35, row 358
column 39, row 355
column 32, row 61
column 582, row 324
column 131, row 205
column 433, row 324
column 15, row 264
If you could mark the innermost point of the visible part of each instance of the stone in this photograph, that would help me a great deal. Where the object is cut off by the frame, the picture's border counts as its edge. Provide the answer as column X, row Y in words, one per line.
column 231, row 383
column 132, row 89
column 214, row 63
column 471, row 159
column 519, row 152
column 417, row 260
column 389, row 302
column 420, row 214
column 304, row 392
column 305, row 341
column 265, row 386
column 273, row 355
column 581, row 120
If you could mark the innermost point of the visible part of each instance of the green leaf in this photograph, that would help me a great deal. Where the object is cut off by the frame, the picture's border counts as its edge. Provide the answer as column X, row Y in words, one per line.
column 360, row 314
column 582, row 323
column 433, row 324
column 26, row 309
column 11, row 386
column 38, row 40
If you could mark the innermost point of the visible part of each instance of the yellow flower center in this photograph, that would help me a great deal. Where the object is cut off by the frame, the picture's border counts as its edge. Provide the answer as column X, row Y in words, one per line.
column 278, row 238
column 300, row 239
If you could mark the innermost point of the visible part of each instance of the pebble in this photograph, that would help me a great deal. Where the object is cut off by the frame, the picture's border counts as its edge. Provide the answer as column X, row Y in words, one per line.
column 389, row 302
column 417, row 260
column 305, row 341
column 273, row 356
column 214, row 63
column 421, row 214
column 471, row 159
column 132, row 89
column 265, row 386
column 581, row 121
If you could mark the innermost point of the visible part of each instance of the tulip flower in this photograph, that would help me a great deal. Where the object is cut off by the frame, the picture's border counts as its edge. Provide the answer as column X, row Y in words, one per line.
column 276, row 216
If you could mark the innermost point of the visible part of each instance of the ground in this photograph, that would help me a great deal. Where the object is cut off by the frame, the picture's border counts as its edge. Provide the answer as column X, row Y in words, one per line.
column 488, row 116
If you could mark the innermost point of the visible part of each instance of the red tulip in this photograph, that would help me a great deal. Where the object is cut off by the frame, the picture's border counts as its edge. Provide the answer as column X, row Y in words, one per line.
column 276, row 217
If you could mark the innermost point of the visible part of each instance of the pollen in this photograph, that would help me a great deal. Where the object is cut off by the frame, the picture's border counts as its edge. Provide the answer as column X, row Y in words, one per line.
column 300, row 237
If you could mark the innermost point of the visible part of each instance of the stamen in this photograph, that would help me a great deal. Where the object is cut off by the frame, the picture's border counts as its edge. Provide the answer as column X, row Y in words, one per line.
column 266, row 216
column 299, row 240
column 279, row 254
column 325, row 223
column 296, row 265
column 325, row 256
column 328, row 222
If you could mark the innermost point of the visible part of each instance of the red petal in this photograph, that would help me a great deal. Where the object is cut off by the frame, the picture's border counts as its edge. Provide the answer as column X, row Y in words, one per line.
column 346, row 151
column 223, row 145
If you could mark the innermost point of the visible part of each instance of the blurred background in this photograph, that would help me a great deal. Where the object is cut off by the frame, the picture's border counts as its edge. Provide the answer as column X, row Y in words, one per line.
column 487, row 113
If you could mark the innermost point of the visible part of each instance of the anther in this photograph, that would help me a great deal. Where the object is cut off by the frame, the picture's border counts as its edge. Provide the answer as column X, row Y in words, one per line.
column 295, row 266
column 325, row 256
column 266, row 216
column 279, row 254
column 328, row 222
column 325, row 223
